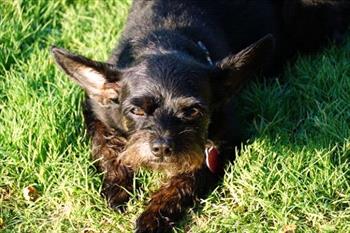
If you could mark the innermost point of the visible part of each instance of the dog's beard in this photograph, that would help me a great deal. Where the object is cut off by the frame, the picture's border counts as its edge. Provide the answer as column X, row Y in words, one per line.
column 138, row 153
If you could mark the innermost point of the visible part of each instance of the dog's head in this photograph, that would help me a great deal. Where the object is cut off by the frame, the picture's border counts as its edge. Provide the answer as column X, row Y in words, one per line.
column 164, row 102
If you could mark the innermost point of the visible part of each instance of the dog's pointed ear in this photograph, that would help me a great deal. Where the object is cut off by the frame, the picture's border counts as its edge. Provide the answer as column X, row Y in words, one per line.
column 99, row 80
column 235, row 70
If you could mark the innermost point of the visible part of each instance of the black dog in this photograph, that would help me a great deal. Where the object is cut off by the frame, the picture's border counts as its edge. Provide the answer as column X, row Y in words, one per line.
column 163, row 99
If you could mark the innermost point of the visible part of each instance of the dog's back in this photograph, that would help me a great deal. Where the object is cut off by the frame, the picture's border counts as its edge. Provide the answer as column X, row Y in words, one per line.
column 226, row 26
column 223, row 26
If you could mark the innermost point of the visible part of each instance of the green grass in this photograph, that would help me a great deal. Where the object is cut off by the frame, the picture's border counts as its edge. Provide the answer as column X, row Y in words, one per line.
column 295, row 172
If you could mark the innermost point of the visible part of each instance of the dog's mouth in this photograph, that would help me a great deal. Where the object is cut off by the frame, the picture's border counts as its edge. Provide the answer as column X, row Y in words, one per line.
column 211, row 154
column 163, row 160
column 138, row 152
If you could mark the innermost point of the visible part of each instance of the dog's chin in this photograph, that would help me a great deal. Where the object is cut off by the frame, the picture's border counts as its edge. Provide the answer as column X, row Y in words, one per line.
column 162, row 160
column 164, row 164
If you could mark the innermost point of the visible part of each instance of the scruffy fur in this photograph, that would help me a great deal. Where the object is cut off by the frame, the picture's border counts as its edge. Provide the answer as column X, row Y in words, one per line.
column 168, row 88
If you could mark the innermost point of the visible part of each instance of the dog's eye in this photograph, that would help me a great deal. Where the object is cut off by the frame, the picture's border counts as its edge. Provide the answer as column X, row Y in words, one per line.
column 137, row 111
column 191, row 113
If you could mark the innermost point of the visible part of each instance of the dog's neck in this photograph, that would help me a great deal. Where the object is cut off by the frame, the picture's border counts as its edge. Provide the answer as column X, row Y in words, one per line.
column 206, row 51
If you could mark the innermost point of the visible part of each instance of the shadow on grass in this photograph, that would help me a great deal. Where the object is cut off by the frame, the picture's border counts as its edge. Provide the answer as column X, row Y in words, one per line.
column 305, row 114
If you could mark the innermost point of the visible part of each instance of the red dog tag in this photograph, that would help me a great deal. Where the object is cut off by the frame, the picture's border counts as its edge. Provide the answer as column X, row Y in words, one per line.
column 212, row 159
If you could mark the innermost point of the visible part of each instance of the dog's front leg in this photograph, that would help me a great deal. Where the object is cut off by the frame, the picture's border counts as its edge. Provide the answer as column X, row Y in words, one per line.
column 167, row 204
column 118, row 178
column 117, row 182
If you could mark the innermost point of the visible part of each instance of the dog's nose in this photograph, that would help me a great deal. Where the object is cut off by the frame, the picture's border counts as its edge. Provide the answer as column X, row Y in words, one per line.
column 162, row 147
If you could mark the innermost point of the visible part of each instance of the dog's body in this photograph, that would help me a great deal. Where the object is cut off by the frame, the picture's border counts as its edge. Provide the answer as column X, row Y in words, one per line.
column 166, row 90
column 298, row 25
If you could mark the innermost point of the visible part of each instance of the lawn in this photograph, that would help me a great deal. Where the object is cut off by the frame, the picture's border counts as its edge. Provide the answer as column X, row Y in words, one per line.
column 293, row 175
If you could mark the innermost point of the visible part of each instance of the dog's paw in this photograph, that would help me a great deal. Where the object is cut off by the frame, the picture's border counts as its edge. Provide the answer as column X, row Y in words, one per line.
column 153, row 223
column 116, row 197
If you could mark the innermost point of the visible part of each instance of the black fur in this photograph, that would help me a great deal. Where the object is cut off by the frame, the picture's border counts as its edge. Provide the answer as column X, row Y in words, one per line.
column 160, row 97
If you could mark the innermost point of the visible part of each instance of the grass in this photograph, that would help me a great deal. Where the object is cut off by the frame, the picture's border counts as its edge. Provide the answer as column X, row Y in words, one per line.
column 294, row 175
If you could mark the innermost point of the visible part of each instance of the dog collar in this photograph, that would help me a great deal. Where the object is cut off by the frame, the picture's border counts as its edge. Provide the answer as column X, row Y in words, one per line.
column 212, row 159
column 206, row 51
